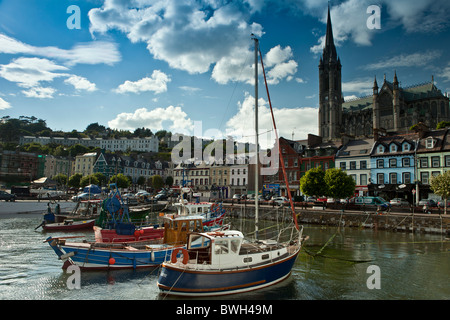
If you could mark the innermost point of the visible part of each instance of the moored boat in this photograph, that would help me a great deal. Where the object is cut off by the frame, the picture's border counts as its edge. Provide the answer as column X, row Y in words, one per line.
column 224, row 263
column 69, row 225
column 127, row 255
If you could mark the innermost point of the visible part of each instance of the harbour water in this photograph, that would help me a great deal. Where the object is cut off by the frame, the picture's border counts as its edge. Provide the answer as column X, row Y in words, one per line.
column 352, row 264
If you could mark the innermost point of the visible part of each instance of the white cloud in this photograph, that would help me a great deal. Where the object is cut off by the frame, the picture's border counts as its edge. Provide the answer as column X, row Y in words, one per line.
column 446, row 73
column 360, row 86
column 29, row 72
column 301, row 121
column 81, row 83
column 4, row 104
column 39, row 92
column 156, row 83
column 171, row 118
column 95, row 52
column 349, row 18
column 406, row 60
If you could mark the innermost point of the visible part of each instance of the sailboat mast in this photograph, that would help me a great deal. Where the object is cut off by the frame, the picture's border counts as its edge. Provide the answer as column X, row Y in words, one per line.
column 256, row 141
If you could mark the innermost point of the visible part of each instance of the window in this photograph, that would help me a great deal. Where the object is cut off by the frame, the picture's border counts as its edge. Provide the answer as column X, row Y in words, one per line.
column 393, row 178
column 393, row 163
column 363, row 179
column 429, row 143
column 424, row 176
column 406, row 162
column 380, row 178
column 423, row 162
column 447, row 161
column 221, row 246
column 406, row 146
column 393, row 148
column 435, row 173
column 353, row 177
column 363, row 164
column 406, row 177
column 435, row 162
column 352, row 165
column 325, row 166
column 380, row 163
column 380, row 149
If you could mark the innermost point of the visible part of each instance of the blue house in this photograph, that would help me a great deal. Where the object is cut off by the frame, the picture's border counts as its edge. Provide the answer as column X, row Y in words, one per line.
column 392, row 166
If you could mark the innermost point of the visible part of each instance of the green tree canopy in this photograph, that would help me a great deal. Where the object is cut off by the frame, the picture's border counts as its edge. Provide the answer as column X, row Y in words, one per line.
column 313, row 183
column 121, row 180
column 87, row 180
column 157, row 182
column 339, row 184
column 74, row 181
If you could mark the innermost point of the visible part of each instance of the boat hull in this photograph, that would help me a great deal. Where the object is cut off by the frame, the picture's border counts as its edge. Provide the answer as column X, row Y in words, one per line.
column 76, row 225
column 91, row 258
column 179, row 281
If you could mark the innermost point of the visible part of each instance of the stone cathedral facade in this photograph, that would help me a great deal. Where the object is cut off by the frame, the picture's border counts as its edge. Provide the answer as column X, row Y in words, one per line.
column 390, row 108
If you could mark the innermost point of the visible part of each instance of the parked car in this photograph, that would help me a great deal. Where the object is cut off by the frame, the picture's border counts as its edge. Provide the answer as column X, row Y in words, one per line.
column 399, row 202
column 161, row 196
column 442, row 204
column 372, row 201
column 237, row 196
column 280, row 200
column 428, row 202
column 7, row 196
column 85, row 196
column 330, row 200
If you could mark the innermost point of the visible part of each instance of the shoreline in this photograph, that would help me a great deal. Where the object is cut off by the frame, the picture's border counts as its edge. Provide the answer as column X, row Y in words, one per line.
column 31, row 207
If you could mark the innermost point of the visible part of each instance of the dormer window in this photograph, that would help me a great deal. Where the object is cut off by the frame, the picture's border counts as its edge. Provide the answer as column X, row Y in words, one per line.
column 380, row 149
column 430, row 143
column 393, row 148
column 406, row 147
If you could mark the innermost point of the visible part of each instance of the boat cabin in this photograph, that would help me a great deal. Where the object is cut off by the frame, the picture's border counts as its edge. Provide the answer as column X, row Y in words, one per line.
column 176, row 227
column 227, row 249
column 192, row 208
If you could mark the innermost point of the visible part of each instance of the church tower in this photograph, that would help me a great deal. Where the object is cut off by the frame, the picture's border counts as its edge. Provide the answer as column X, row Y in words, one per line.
column 330, row 89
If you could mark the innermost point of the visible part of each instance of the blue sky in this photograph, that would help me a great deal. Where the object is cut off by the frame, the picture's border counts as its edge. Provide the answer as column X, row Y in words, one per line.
column 186, row 66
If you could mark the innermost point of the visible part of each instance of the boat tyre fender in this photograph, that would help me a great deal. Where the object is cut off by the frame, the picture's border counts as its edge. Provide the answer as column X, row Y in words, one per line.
column 184, row 252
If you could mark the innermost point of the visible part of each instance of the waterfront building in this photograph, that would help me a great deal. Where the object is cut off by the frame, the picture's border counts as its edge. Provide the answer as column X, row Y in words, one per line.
column 20, row 166
column 354, row 159
column 238, row 178
column 392, row 166
column 84, row 163
column 58, row 165
column 432, row 158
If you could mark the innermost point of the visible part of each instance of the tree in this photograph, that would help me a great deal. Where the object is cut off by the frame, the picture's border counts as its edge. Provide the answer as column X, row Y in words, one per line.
column 61, row 179
column 169, row 181
column 141, row 181
column 74, row 181
column 339, row 184
column 157, row 182
column 121, row 180
column 87, row 180
column 313, row 183
column 440, row 185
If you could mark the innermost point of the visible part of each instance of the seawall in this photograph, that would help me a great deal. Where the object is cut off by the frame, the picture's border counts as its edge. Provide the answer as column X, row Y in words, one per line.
column 391, row 221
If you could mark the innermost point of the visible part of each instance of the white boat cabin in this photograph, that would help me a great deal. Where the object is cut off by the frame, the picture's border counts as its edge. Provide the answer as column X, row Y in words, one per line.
column 192, row 208
column 229, row 250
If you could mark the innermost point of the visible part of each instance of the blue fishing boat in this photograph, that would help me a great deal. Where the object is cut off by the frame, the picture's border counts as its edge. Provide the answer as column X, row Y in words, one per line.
column 127, row 255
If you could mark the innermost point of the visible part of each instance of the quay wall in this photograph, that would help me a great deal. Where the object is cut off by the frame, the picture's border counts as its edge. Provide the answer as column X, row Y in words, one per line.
column 392, row 221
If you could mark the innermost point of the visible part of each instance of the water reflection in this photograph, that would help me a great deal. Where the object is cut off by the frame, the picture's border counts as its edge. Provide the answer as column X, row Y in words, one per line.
column 333, row 265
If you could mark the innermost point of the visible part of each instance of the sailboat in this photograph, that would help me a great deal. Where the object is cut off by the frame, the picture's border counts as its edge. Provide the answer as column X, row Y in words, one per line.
column 223, row 263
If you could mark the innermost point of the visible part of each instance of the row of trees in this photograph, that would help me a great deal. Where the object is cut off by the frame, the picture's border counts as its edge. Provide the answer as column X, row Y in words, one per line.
column 122, row 181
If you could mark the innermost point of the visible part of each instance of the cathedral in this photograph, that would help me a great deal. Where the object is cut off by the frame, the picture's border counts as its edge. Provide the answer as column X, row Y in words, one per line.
column 390, row 108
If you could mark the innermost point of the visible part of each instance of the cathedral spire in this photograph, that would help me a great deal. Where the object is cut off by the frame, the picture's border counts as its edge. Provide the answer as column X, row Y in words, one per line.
column 329, row 51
